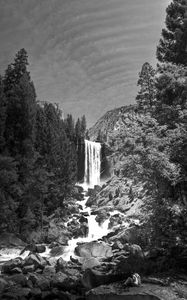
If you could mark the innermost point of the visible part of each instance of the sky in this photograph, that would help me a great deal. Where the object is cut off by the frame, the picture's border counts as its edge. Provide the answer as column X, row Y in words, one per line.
column 84, row 55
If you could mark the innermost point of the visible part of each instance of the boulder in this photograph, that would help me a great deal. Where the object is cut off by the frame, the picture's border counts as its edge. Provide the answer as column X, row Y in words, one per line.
column 83, row 219
column 61, row 264
column 90, row 263
column 40, row 248
column 94, row 249
column 66, row 281
column 40, row 281
column 36, row 260
column 12, row 264
column 57, row 251
column 28, row 269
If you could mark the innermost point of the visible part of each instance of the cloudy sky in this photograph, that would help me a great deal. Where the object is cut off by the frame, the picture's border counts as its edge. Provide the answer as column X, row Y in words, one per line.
column 83, row 54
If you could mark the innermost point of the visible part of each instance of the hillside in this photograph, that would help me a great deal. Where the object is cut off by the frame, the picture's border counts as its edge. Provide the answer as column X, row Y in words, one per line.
column 109, row 121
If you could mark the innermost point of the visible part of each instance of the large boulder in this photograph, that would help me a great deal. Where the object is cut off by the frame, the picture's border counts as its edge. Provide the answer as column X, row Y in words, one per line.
column 40, row 281
column 57, row 251
column 66, row 281
column 36, row 260
column 94, row 249
column 10, row 265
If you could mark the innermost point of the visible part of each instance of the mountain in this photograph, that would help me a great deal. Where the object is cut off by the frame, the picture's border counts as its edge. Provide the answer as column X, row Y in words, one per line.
column 109, row 122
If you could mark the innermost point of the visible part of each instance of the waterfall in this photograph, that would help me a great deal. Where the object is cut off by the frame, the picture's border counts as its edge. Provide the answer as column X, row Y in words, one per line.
column 92, row 163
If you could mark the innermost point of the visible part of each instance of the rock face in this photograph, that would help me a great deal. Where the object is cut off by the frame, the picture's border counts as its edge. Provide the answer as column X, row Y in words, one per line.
column 94, row 249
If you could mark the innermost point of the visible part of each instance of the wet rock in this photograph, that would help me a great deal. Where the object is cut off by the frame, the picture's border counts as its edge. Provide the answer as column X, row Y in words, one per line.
column 40, row 281
column 61, row 264
column 83, row 219
column 57, row 251
column 12, row 264
column 94, row 249
column 16, row 270
column 28, row 269
column 90, row 263
column 36, row 260
column 40, row 248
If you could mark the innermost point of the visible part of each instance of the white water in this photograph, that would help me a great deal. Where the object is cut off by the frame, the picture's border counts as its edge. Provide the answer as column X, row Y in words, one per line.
column 92, row 163
column 95, row 232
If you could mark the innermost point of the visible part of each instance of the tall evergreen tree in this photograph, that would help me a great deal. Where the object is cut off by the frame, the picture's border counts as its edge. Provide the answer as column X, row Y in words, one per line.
column 21, row 107
column 146, row 95
column 173, row 44
column 2, row 115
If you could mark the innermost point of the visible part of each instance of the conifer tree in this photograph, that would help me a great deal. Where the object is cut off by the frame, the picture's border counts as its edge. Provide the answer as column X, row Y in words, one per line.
column 21, row 106
column 2, row 115
column 173, row 44
column 146, row 95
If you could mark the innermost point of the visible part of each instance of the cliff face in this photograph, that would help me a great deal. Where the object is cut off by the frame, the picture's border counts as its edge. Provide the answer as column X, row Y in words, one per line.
column 108, row 122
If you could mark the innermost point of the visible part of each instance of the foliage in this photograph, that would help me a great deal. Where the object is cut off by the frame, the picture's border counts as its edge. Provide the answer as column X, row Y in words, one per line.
column 172, row 46
column 38, row 152
column 147, row 93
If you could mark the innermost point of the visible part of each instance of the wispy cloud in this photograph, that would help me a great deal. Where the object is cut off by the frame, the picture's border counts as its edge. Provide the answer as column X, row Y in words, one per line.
column 84, row 54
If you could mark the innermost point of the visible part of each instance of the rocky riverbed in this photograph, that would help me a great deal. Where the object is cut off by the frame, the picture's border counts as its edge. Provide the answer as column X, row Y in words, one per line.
column 79, row 263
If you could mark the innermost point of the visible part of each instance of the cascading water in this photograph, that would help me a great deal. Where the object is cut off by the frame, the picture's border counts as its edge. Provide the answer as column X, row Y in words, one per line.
column 92, row 163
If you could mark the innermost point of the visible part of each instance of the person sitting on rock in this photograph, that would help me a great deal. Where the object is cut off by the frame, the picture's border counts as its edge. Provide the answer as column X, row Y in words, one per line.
column 134, row 280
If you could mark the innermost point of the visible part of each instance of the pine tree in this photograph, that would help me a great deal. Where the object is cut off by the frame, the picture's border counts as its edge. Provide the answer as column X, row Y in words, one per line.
column 83, row 126
column 146, row 95
column 21, row 107
column 173, row 44
column 2, row 115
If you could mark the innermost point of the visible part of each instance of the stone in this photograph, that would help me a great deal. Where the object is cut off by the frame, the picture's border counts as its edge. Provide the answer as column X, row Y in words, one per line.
column 19, row 279
column 90, row 263
column 40, row 248
column 36, row 260
column 40, row 281
column 61, row 264
column 16, row 271
column 94, row 249
column 57, row 251
column 12, row 264
column 16, row 293
column 66, row 281
column 83, row 219
column 49, row 271
column 28, row 269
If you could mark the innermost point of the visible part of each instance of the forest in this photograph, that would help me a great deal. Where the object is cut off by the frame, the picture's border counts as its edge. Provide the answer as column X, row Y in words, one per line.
column 38, row 152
